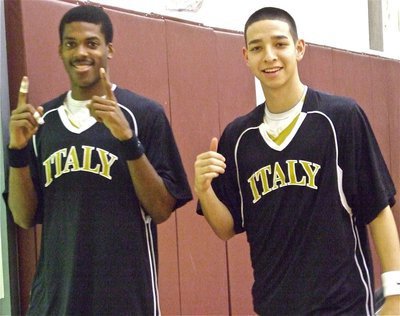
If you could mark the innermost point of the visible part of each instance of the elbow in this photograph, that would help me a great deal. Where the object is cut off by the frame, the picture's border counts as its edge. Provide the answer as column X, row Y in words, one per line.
column 161, row 218
column 224, row 235
column 24, row 220
column 25, row 224
column 165, row 207
column 162, row 215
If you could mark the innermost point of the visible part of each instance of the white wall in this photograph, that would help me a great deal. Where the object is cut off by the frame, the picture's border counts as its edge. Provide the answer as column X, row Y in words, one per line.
column 340, row 23
column 391, row 28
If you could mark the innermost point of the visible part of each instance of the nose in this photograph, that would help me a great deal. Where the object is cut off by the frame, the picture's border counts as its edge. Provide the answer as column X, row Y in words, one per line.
column 80, row 50
column 270, row 54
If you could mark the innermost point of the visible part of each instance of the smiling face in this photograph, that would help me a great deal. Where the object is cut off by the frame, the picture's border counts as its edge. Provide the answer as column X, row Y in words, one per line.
column 272, row 55
column 84, row 51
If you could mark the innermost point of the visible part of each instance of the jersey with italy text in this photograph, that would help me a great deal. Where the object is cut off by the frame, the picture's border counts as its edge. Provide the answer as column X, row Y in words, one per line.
column 305, row 204
column 99, row 248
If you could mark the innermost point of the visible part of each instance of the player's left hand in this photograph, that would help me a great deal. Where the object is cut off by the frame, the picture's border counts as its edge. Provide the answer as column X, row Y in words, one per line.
column 107, row 111
column 391, row 306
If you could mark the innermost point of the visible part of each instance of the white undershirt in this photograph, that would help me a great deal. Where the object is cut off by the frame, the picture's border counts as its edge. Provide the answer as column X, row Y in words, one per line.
column 77, row 112
column 277, row 122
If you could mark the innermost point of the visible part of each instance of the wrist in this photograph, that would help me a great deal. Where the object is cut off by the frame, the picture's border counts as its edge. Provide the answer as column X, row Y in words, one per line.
column 15, row 146
column 132, row 148
column 391, row 283
column 18, row 157
column 126, row 135
column 206, row 195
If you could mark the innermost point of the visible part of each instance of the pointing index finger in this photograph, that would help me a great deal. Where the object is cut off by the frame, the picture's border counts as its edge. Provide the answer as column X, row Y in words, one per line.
column 23, row 91
column 106, row 85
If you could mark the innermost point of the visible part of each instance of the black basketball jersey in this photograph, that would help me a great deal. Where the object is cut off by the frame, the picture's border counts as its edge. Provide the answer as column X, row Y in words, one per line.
column 304, row 205
column 99, row 249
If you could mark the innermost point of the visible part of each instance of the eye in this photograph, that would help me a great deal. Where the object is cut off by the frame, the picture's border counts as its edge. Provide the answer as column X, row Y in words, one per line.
column 93, row 44
column 281, row 44
column 255, row 48
column 69, row 44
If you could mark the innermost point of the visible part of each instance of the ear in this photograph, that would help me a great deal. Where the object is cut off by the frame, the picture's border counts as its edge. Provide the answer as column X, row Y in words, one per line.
column 245, row 53
column 300, row 49
column 60, row 50
column 110, row 49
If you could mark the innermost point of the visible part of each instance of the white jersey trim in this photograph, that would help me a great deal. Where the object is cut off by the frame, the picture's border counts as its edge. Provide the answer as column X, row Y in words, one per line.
column 71, row 128
column 153, row 265
column 369, row 297
column 34, row 136
column 135, row 126
column 69, row 124
column 264, row 133
column 339, row 170
column 237, row 169
column 369, row 304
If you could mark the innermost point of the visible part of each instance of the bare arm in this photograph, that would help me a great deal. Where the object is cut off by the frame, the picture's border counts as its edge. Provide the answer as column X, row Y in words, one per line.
column 22, row 198
column 208, row 166
column 217, row 215
column 151, row 190
column 386, row 239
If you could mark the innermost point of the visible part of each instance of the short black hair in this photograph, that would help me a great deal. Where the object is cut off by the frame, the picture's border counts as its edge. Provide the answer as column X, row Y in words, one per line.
column 90, row 14
column 271, row 13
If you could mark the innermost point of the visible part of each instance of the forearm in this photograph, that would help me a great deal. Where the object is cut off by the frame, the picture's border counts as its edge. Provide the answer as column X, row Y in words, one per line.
column 22, row 198
column 217, row 215
column 151, row 190
column 386, row 239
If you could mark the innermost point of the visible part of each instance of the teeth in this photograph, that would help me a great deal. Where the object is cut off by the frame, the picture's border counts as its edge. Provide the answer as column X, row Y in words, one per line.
column 82, row 63
column 271, row 70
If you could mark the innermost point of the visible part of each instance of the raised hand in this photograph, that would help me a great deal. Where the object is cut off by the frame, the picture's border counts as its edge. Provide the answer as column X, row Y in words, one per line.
column 207, row 167
column 107, row 111
column 25, row 119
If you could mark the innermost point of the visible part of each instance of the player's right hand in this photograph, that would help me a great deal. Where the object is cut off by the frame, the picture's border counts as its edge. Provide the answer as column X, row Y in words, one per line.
column 22, row 121
column 208, row 166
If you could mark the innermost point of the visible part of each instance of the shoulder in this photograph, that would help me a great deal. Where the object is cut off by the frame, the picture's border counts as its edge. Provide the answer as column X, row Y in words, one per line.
column 342, row 111
column 54, row 103
column 136, row 102
column 252, row 119
column 329, row 103
column 235, row 129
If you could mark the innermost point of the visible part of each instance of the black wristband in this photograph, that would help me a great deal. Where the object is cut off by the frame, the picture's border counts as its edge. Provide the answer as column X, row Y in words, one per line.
column 132, row 148
column 18, row 158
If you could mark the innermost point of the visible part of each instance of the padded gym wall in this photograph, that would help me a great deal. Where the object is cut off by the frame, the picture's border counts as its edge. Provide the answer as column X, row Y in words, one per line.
column 198, row 75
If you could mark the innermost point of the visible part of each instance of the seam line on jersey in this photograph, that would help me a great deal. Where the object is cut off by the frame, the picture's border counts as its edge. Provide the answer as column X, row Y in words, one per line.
column 237, row 170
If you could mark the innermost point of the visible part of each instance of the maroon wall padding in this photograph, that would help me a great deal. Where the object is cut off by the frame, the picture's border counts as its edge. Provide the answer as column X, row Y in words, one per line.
column 26, row 243
column 316, row 68
column 380, row 104
column 236, row 96
column 140, row 59
column 200, row 78
column 192, row 63
column 392, row 96
column 240, row 276
column 16, row 62
column 45, row 70
column 392, row 80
